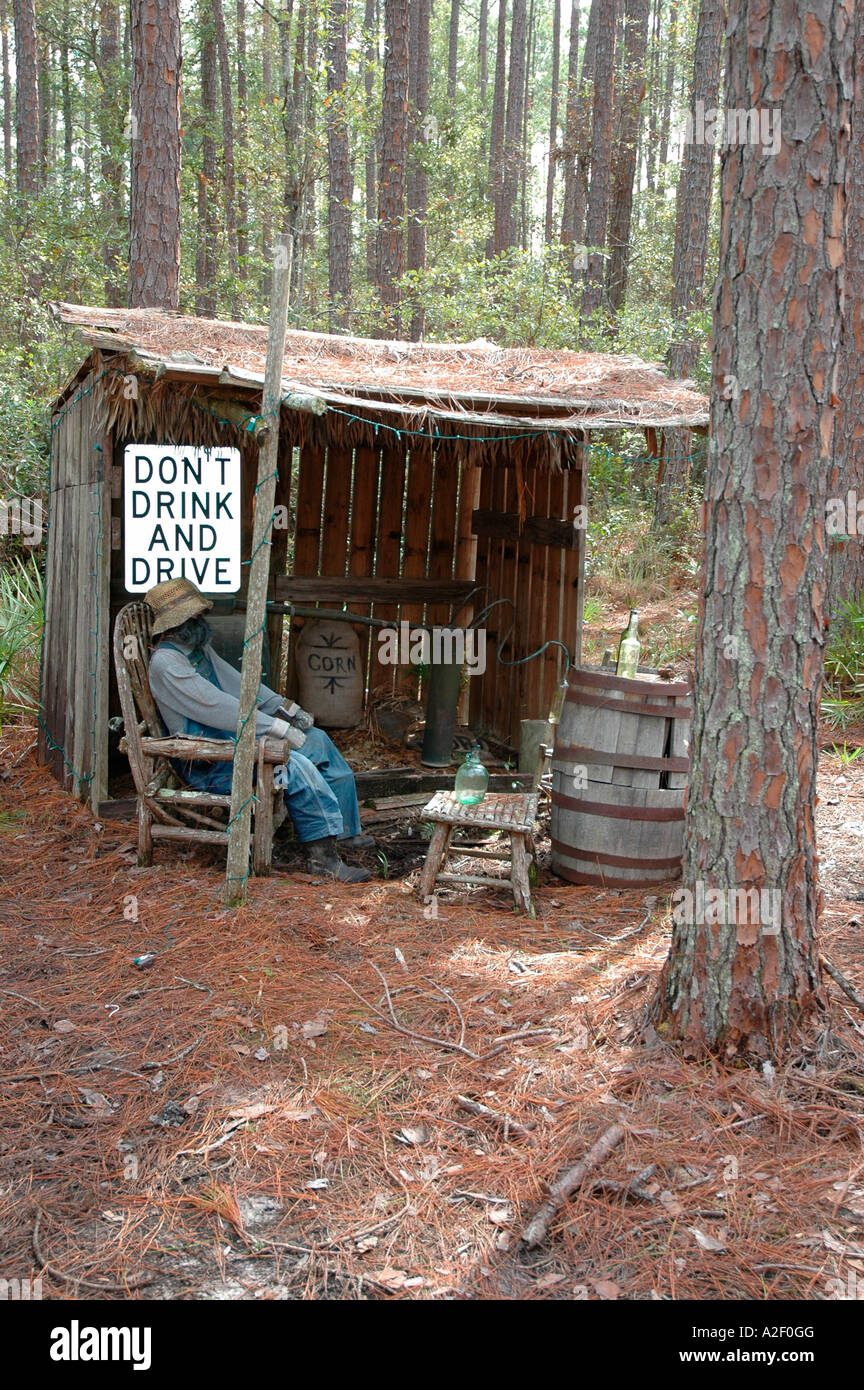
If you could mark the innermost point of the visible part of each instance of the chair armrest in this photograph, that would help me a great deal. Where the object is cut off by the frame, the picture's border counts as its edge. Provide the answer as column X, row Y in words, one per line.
column 210, row 750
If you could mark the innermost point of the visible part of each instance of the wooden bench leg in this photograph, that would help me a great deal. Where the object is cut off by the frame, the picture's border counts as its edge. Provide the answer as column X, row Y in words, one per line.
column 262, row 839
column 145, row 834
column 519, row 872
column 435, row 856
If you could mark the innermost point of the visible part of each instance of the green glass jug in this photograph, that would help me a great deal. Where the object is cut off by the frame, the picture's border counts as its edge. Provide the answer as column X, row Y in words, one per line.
column 472, row 779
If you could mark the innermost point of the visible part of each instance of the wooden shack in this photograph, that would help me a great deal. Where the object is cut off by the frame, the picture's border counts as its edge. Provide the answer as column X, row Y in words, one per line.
column 419, row 482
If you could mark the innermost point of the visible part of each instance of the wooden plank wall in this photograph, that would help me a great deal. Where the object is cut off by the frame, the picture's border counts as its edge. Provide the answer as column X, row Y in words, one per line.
column 382, row 512
column 73, row 736
column 542, row 579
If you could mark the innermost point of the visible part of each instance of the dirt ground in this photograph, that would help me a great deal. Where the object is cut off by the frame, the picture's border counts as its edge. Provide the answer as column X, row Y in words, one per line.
column 242, row 1119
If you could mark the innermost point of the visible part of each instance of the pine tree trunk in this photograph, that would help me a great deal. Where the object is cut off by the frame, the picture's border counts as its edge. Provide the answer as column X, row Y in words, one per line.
column 601, row 155
column 242, row 144
column 624, row 156
column 668, row 88
column 579, row 146
column 549, row 219
column 846, row 548
column 266, row 214
column 744, row 987
column 66, row 103
column 341, row 190
column 27, row 107
column 206, row 261
column 483, row 49
column 568, row 148
column 111, row 106
column 693, row 209
column 154, row 254
column 394, row 142
column 506, row 230
column 417, row 189
column 46, row 112
column 653, row 96
column 452, row 52
column 7, row 91
column 370, row 24
column 496, row 134
column 228, row 174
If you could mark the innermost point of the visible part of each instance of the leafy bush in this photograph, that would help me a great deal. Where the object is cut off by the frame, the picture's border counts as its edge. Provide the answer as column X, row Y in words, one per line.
column 21, row 617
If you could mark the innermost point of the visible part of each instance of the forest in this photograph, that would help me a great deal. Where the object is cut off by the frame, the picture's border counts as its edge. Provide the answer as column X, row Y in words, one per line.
column 558, row 306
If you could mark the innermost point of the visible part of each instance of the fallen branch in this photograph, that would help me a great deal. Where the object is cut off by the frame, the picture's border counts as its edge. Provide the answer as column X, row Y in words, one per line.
column 401, row 1027
column 508, row 1125
column 568, row 1182
column 137, row 1281
column 844, row 984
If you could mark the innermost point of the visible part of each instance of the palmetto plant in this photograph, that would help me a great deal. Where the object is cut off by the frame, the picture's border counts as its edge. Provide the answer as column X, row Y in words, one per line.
column 21, row 614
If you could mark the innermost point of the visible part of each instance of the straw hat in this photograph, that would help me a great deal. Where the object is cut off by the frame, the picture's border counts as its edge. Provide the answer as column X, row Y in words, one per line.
column 173, row 601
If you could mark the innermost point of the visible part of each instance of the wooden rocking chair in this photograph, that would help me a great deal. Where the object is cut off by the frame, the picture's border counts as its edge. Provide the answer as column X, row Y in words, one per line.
column 166, row 809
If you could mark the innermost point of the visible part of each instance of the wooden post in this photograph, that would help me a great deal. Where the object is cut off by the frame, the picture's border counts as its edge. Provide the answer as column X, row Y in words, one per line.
column 239, row 825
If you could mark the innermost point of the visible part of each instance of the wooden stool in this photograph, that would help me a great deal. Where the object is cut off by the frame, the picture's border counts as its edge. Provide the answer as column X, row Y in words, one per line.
column 514, row 812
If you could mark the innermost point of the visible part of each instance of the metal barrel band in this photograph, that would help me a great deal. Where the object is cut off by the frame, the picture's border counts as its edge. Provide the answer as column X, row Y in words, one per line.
column 630, row 813
column 602, row 758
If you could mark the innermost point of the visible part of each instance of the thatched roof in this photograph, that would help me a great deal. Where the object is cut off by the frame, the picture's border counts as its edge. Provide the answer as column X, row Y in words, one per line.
column 473, row 382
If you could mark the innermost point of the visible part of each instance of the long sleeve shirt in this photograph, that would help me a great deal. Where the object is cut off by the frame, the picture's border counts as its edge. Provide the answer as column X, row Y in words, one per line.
column 182, row 693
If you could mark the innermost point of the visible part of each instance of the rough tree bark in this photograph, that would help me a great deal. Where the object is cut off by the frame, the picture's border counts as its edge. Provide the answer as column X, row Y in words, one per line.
column 496, row 132
column 453, row 51
column 417, row 186
column 506, row 228
column 578, row 145
column 154, row 204
column 242, row 144
column 692, row 216
column 743, row 987
column 846, row 547
column 370, row 62
column 110, row 165
column 394, row 143
column 228, row 166
column 206, row 259
column 624, row 156
column 27, row 107
column 548, row 223
column 601, row 154
column 7, row 91
column 341, row 182
column 482, row 49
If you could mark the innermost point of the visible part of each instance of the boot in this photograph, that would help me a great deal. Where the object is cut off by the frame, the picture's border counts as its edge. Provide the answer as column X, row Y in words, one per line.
column 357, row 842
column 322, row 857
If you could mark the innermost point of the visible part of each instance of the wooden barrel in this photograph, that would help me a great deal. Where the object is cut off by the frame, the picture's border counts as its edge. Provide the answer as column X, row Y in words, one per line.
column 619, row 779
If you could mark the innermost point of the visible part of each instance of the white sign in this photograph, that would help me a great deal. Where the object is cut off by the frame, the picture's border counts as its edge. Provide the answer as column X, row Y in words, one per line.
column 182, row 516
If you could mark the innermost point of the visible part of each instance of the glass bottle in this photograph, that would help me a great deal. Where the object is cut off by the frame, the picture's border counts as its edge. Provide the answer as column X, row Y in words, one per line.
column 629, row 648
column 472, row 779
column 557, row 706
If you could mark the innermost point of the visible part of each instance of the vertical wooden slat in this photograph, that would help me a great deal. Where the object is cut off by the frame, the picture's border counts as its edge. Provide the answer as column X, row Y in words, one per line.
column 442, row 534
column 574, row 562
column 53, row 599
column 389, row 542
column 481, row 686
column 466, row 563
column 102, row 656
column 554, row 661
column 334, row 525
column 504, row 676
column 418, row 503
column 526, row 598
column 310, row 491
column 361, row 549
column 501, row 616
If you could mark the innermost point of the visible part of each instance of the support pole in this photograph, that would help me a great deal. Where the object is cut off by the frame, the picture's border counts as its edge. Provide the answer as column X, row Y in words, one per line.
column 240, row 823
